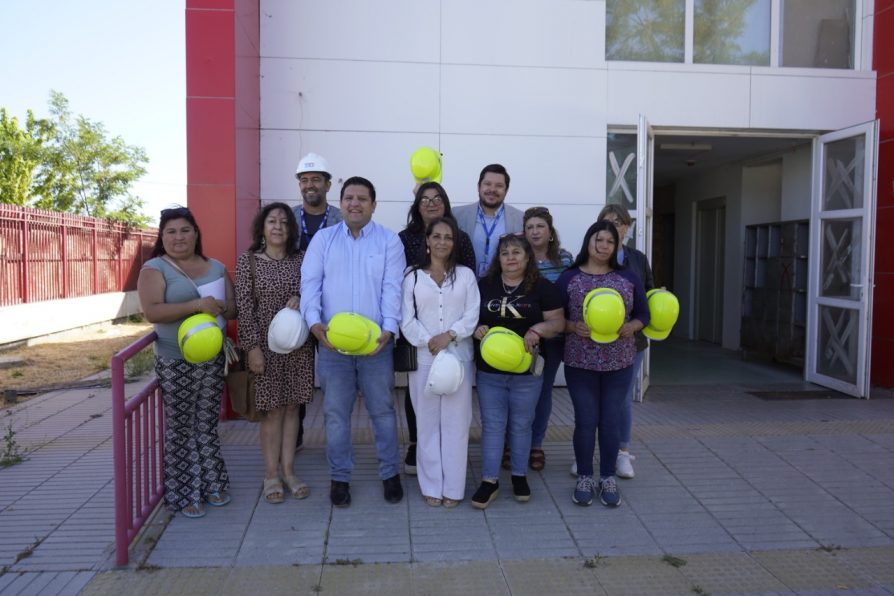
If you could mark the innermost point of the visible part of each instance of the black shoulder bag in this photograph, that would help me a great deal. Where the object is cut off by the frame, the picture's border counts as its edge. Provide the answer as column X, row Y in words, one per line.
column 404, row 351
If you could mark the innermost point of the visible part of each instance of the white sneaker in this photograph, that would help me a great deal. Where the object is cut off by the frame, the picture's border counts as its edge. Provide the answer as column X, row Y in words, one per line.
column 574, row 469
column 623, row 467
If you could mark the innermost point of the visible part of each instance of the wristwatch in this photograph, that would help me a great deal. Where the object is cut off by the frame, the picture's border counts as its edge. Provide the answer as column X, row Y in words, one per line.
column 452, row 335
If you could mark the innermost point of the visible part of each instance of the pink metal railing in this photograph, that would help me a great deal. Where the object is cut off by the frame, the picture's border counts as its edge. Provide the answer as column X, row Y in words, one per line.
column 45, row 255
column 138, row 443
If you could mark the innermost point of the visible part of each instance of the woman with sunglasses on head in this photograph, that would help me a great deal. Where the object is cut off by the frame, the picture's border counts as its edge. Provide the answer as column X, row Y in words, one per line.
column 513, row 295
column 439, row 312
column 172, row 286
column 430, row 203
column 598, row 374
column 268, row 279
column 552, row 260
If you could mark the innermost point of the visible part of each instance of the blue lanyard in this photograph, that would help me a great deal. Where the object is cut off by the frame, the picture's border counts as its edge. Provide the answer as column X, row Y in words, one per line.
column 489, row 232
column 322, row 223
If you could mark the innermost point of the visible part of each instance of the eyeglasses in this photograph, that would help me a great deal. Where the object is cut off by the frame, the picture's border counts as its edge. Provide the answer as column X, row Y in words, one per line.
column 175, row 212
column 435, row 200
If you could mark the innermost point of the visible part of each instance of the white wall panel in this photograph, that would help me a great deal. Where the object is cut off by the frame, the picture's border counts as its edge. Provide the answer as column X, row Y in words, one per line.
column 397, row 30
column 812, row 102
column 675, row 97
column 563, row 33
column 348, row 95
column 523, row 101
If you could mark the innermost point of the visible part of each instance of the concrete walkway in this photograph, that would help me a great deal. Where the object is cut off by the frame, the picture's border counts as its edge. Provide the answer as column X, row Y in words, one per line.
column 733, row 494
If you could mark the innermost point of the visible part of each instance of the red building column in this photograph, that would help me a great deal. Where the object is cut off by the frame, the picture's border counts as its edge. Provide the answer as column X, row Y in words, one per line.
column 883, row 295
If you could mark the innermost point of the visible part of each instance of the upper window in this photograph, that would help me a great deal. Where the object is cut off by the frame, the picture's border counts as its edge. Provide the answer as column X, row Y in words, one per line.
column 732, row 32
column 810, row 33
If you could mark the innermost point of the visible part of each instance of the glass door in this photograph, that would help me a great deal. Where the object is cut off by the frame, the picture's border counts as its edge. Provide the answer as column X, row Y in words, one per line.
column 642, row 215
column 839, row 301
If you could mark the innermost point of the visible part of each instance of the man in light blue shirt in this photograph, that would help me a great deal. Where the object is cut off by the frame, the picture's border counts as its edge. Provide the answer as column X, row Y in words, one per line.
column 356, row 266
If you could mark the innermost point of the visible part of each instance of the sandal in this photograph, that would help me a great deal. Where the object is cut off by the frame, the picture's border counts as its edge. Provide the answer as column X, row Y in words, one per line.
column 432, row 501
column 537, row 459
column 450, row 503
column 506, row 464
column 298, row 489
column 218, row 499
column 273, row 491
column 193, row 511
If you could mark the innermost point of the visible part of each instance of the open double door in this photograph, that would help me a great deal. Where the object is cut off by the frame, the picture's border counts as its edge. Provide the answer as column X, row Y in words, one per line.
column 842, row 245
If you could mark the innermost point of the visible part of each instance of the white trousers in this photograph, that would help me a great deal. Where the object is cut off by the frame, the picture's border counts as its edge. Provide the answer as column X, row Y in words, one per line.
column 442, row 429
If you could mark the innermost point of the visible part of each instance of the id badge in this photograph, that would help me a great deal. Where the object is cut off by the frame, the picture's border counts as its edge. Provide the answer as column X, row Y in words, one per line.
column 482, row 269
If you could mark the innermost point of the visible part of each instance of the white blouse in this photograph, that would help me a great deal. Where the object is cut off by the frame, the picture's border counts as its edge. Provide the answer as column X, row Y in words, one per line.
column 438, row 309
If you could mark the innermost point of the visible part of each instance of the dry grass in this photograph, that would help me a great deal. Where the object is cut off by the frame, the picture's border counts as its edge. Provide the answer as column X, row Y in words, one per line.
column 70, row 357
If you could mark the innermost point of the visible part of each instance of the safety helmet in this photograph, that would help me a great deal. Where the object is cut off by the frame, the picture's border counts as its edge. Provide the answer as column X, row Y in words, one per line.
column 664, row 308
column 504, row 350
column 200, row 338
column 445, row 375
column 312, row 162
column 604, row 314
column 287, row 331
column 425, row 164
column 375, row 332
column 350, row 333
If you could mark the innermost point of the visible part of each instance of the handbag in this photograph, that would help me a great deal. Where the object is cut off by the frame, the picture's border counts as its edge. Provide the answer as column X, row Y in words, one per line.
column 240, row 380
column 404, row 351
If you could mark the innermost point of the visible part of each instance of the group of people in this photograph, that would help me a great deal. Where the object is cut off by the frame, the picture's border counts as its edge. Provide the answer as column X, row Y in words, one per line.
column 442, row 283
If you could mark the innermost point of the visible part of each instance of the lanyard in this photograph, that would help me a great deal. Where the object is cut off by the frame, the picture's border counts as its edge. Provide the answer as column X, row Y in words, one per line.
column 489, row 232
column 322, row 223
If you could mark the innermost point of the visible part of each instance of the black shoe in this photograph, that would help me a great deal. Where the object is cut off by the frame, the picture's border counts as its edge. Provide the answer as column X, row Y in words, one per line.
column 486, row 493
column 520, row 489
column 410, row 460
column 394, row 492
column 340, row 493
column 299, row 444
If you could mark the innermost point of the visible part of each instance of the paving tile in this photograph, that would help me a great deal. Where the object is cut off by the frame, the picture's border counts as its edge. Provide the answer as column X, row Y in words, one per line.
column 809, row 570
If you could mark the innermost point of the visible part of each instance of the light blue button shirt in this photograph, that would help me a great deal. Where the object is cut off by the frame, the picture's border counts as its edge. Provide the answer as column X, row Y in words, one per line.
column 341, row 273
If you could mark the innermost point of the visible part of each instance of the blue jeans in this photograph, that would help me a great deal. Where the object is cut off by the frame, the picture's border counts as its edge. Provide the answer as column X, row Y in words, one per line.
column 552, row 351
column 506, row 400
column 598, row 397
column 340, row 378
column 627, row 410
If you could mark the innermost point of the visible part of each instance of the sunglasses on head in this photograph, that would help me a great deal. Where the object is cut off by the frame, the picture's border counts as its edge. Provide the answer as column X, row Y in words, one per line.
column 536, row 211
column 175, row 212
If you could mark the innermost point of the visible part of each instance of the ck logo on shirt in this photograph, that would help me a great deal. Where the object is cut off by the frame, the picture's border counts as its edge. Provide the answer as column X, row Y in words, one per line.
column 505, row 307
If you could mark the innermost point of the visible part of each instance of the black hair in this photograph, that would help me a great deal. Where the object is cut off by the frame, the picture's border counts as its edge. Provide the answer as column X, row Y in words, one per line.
column 494, row 168
column 584, row 255
column 425, row 258
column 257, row 228
column 171, row 214
column 358, row 181
column 415, row 225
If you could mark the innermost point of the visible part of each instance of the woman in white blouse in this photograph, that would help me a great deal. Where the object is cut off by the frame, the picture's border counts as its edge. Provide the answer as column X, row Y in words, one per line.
column 440, row 312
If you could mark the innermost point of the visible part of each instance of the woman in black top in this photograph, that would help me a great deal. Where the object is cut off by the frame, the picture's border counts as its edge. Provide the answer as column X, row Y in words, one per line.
column 431, row 203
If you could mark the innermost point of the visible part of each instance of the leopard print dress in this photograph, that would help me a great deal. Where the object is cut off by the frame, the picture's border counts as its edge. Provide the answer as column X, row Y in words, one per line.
column 288, row 379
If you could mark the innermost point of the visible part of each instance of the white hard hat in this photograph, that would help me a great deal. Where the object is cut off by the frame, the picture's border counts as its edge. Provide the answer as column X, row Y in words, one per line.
column 313, row 163
column 446, row 374
column 287, row 331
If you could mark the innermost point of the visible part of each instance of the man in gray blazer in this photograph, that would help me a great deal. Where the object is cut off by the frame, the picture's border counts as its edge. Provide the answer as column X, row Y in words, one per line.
column 489, row 218
column 313, row 214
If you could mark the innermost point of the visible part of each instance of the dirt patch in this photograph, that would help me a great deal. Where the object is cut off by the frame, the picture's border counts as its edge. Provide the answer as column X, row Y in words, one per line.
column 66, row 358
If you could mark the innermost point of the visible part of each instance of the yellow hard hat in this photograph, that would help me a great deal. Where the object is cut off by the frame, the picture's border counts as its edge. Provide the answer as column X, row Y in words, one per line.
column 352, row 334
column 664, row 308
column 200, row 338
column 425, row 164
column 604, row 314
column 504, row 350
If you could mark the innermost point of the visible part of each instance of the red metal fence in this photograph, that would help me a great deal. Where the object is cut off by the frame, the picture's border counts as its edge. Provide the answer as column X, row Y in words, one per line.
column 46, row 255
column 138, row 427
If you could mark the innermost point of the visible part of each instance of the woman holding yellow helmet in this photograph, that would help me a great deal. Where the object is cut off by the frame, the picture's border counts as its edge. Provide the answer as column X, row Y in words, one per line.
column 599, row 362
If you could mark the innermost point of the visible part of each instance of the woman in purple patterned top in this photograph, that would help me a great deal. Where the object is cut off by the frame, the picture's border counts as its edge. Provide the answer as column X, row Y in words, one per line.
column 598, row 374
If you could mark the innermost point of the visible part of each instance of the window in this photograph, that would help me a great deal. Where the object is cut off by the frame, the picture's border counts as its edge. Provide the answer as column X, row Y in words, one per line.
column 818, row 33
column 732, row 32
column 645, row 30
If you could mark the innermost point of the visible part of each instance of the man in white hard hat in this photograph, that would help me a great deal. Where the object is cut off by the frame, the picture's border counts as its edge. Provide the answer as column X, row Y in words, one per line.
column 313, row 214
column 356, row 266
column 489, row 218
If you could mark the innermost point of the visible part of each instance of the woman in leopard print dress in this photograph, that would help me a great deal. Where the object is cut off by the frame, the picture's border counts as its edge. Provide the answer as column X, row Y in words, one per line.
column 282, row 381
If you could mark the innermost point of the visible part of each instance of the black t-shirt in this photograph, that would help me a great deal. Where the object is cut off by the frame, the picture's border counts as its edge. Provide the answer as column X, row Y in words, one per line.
column 517, row 310
column 313, row 226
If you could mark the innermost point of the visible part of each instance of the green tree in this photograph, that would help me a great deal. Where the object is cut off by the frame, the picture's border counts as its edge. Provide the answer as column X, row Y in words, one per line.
column 22, row 152
column 87, row 172
column 719, row 26
column 644, row 30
